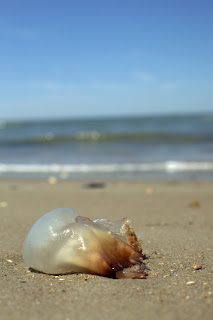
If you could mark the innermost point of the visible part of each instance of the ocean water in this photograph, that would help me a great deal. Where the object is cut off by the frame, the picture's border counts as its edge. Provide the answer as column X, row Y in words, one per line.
column 154, row 147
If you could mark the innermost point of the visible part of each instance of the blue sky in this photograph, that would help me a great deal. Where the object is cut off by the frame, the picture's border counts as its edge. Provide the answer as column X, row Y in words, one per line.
column 96, row 58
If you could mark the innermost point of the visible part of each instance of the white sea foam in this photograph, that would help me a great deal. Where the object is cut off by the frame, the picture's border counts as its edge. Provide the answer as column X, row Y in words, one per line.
column 168, row 166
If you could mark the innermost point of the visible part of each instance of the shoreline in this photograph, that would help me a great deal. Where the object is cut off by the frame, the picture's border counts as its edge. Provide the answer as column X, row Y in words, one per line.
column 161, row 171
column 173, row 218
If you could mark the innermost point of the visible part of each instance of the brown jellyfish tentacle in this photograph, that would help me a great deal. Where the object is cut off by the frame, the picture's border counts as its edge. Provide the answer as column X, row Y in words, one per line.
column 136, row 270
column 139, row 273
column 136, row 258
column 131, row 237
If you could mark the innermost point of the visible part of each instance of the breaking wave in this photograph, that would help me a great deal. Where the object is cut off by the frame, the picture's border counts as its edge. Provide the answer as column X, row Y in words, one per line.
column 168, row 166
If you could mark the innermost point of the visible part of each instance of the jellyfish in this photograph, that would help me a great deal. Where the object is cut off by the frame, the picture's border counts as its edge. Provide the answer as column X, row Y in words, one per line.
column 63, row 242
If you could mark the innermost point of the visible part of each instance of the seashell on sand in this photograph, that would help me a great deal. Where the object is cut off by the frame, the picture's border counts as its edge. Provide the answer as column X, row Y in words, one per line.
column 63, row 242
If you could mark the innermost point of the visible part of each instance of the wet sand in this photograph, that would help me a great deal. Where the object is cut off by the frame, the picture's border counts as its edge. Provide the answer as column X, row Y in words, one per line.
column 174, row 220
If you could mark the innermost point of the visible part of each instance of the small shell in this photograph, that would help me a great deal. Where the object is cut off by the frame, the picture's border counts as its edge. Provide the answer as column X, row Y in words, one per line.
column 197, row 267
column 62, row 242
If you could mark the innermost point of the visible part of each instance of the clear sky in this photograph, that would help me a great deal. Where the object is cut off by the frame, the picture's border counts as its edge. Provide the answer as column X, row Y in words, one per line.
column 91, row 57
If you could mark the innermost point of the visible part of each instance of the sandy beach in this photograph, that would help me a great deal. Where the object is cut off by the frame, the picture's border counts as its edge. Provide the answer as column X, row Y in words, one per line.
column 174, row 220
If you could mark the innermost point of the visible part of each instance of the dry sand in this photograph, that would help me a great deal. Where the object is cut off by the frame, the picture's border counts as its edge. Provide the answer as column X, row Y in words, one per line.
column 175, row 221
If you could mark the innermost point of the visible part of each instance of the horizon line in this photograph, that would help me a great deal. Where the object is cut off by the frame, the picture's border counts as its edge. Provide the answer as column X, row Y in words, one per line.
column 108, row 116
